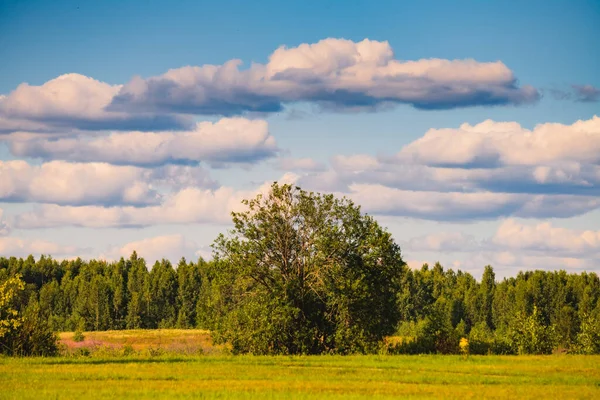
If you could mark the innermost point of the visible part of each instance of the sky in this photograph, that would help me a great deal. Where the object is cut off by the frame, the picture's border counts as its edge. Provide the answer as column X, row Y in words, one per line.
column 469, row 129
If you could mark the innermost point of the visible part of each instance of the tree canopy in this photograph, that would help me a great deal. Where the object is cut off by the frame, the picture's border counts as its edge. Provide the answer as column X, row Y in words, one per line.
column 305, row 273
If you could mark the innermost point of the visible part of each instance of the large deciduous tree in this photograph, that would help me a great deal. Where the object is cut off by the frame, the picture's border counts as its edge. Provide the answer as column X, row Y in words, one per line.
column 305, row 273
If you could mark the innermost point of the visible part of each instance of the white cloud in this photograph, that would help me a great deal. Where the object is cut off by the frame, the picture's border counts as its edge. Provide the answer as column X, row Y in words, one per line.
column 515, row 237
column 179, row 177
column 565, row 178
column 300, row 164
column 189, row 205
column 382, row 200
column 69, row 94
column 16, row 247
column 546, row 238
column 355, row 163
column 465, row 206
column 72, row 101
column 442, row 181
column 508, row 263
column 492, row 144
column 66, row 183
column 230, row 140
column 514, row 246
column 443, row 242
column 336, row 73
column 4, row 226
column 169, row 247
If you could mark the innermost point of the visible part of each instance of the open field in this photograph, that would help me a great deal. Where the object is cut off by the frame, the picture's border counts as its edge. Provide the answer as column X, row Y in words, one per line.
column 158, row 369
column 356, row 377
column 142, row 341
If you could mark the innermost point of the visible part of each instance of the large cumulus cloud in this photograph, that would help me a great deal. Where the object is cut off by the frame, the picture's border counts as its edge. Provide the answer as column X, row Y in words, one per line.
column 74, row 102
column 190, row 205
column 485, row 171
column 491, row 144
column 534, row 174
column 229, row 140
column 334, row 73
column 79, row 184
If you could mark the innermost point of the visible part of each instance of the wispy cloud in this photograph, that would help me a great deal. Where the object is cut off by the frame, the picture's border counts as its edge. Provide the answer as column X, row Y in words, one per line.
column 581, row 93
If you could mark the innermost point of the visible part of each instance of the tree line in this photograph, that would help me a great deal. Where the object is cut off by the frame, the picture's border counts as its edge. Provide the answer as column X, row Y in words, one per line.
column 302, row 273
column 437, row 306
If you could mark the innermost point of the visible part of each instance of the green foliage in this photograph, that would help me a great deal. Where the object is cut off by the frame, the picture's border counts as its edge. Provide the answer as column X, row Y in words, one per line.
column 9, row 316
column 588, row 340
column 529, row 335
column 305, row 273
column 163, row 295
column 78, row 336
column 34, row 337
column 138, row 309
column 189, row 282
column 430, row 335
column 23, row 332
column 128, row 350
column 481, row 339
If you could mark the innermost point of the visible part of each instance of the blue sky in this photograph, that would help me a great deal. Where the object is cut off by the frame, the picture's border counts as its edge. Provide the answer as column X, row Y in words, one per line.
column 548, row 46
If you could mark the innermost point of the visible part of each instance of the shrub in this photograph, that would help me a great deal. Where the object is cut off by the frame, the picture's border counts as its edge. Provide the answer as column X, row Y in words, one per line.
column 78, row 336
column 128, row 350
column 33, row 337
column 481, row 339
column 429, row 335
column 464, row 346
column 155, row 351
column 588, row 339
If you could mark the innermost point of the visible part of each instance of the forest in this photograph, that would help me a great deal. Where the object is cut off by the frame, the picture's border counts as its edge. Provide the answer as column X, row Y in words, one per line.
column 302, row 273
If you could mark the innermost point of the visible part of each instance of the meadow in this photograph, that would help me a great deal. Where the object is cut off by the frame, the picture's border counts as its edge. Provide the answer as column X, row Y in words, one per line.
column 183, row 364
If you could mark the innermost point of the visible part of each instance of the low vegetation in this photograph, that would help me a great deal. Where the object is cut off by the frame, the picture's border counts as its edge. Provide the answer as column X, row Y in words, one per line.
column 300, row 377
column 140, row 342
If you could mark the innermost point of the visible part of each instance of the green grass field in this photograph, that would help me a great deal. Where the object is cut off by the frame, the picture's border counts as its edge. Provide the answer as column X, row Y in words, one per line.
column 148, row 373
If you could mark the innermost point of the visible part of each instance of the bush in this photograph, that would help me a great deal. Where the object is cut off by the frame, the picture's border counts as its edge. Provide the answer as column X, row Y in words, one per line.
column 128, row 350
column 78, row 336
column 464, row 347
column 34, row 337
column 410, row 340
column 25, row 332
column 427, row 336
column 82, row 352
column 481, row 339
